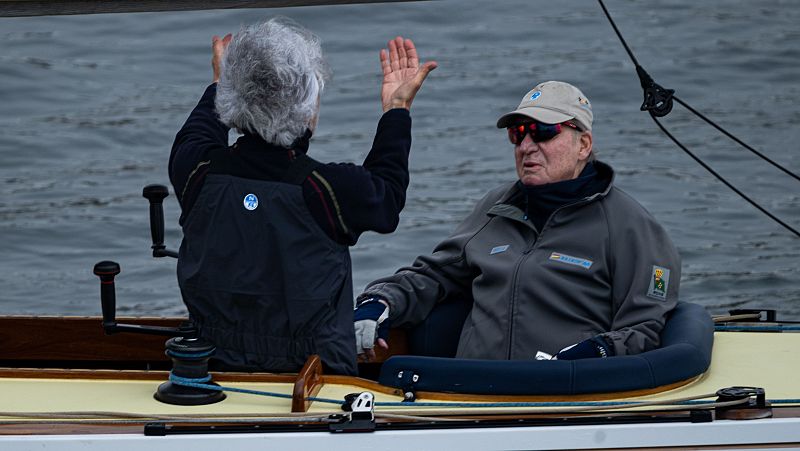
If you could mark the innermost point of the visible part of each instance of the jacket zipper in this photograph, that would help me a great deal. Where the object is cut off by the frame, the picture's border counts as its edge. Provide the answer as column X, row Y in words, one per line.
column 525, row 254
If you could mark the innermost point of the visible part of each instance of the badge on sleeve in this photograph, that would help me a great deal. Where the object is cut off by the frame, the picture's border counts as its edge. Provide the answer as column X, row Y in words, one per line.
column 659, row 283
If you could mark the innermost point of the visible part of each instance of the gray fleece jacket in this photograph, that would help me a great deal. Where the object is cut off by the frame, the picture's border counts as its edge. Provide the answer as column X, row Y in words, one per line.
column 602, row 265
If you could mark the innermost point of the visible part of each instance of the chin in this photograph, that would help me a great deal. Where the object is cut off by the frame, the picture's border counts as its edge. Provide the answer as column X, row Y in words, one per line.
column 533, row 181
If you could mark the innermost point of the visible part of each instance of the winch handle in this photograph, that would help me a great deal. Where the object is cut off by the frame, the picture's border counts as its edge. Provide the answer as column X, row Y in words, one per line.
column 107, row 271
column 156, row 194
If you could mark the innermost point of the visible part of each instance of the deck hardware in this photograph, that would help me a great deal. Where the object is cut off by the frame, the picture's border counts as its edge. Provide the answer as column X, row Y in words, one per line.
column 768, row 317
column 756, row 406
column 360, row 416
column 408, row 381
column 189, row 364
column 700, row 416
column 156, row 194
column 188, row 352
column 107, row 271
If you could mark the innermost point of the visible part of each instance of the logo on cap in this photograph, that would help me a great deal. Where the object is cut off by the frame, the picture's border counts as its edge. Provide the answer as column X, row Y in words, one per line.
column 250, row 202
column 536, row 95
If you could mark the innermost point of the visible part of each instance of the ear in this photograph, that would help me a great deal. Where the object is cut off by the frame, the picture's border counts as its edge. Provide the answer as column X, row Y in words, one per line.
column 585, row 145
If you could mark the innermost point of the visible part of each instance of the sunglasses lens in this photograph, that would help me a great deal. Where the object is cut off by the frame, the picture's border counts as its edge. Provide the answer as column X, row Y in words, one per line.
column 516, row 134
column 539, row 132
column 546, row 132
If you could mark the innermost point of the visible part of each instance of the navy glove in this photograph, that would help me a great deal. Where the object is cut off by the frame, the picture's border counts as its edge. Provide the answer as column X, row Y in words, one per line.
column 371, row 321
column 587, row 349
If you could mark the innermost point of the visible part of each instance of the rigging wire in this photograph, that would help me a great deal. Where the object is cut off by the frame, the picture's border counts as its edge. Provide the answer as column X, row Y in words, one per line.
column 739, row 141
column 721, row 179
column 658, row 102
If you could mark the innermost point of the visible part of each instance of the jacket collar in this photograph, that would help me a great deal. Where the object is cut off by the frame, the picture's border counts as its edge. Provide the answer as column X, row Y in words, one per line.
column 505, row 206
column 604, row 171
column 250, row 142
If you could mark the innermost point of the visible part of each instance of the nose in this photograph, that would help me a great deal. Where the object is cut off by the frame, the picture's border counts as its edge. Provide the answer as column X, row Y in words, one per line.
column 527, row 145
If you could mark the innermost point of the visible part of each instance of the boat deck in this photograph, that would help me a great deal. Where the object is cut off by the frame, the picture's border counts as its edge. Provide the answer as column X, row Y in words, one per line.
column 765, row 360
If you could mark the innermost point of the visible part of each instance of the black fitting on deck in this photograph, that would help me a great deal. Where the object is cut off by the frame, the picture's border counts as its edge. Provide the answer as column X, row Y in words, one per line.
column 755, row 407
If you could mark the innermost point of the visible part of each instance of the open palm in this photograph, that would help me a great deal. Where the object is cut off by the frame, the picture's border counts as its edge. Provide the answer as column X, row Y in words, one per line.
column 402, row 74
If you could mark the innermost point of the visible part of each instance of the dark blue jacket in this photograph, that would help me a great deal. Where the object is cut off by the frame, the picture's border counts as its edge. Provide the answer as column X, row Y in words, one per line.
column 264, row 267
column 345, row 199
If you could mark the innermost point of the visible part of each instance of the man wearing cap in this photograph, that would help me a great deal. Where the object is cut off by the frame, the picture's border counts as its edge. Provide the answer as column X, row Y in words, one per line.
column 560, row 262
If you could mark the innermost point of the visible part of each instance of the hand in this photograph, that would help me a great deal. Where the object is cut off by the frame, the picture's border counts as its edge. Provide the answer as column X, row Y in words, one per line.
column 402, row 74
column 590, row 348
column 371, row 321
column 218, row 46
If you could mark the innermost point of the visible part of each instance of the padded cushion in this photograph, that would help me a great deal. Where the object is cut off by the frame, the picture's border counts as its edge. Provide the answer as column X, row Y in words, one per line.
column 685, row 352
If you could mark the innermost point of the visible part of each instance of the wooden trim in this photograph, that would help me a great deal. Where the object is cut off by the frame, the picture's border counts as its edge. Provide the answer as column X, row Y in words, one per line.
column 308, row 383
column 56, row 373
column 27, row 8
column 69, row 338
column 70, row 429
column 464, row 397
column 80, row 342
column 364, row 384
column 551, row 398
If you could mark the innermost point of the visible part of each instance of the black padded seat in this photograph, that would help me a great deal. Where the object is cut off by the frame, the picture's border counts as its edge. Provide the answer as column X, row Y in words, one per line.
column 685, row 352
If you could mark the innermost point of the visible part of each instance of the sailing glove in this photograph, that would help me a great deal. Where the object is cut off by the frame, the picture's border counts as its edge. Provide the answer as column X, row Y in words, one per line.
column 593, row 347
column 371, row 321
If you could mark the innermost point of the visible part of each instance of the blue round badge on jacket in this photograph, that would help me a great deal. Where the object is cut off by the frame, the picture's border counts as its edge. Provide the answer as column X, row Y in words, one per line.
column 250, row 202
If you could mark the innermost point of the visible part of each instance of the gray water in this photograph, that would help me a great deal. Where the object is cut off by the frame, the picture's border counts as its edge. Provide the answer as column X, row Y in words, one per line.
column 90, row 105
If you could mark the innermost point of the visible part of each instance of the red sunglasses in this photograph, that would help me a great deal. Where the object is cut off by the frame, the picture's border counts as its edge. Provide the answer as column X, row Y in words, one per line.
column 539, row 132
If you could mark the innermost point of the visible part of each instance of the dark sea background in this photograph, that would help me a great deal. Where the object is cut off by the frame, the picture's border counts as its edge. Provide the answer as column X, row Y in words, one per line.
column 89, row 106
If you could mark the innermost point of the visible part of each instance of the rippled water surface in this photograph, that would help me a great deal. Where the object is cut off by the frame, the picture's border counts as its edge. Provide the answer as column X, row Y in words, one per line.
column 90, row 105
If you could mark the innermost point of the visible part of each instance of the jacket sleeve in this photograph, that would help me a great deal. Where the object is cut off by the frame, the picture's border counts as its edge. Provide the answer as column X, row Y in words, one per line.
column 646, row 273
column 201, row 133
column 372, row 195
column 413, row 291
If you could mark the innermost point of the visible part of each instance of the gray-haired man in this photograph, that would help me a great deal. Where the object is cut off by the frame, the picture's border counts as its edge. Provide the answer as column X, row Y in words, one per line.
column 560, row 261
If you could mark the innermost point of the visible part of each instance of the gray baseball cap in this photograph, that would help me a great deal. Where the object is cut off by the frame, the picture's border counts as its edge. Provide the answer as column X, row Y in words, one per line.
column 553, row 102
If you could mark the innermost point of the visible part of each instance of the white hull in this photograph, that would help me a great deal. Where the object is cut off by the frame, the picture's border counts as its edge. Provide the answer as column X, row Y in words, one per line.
column 777, row 433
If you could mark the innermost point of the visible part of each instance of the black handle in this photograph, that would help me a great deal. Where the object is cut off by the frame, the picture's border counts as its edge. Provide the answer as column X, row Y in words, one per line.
column 107, row 270
column 156, row 194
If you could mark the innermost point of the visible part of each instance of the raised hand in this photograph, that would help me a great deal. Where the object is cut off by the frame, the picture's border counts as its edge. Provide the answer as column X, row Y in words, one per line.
column 218, row 46
column 402, row 74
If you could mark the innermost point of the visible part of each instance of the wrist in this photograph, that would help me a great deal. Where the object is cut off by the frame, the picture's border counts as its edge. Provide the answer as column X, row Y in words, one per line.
column 397, row 104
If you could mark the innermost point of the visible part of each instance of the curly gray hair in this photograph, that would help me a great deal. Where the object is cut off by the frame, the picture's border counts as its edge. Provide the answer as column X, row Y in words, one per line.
column 272, row 76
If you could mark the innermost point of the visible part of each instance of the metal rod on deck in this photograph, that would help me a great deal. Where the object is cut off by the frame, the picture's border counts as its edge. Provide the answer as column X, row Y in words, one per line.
column 28, row 8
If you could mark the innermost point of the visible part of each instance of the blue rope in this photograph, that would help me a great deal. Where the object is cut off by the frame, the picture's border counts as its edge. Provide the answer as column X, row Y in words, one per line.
column 185, row 380
column 190, row 383
column 755, row 328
